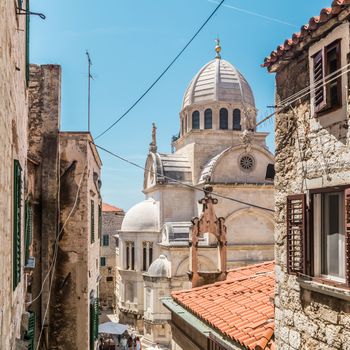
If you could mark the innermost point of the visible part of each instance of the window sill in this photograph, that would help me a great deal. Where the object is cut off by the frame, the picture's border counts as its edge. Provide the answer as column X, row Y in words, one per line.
column 327, row 110
column 323, row 288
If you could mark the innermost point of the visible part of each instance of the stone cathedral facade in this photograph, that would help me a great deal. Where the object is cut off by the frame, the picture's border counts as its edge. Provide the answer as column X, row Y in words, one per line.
column 218, row 145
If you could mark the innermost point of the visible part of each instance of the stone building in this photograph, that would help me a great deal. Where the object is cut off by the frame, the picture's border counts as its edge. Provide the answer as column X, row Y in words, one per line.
column 112, row 218
column 13, row 155
column 65, row 204
column 217, row 145
column 312, row 298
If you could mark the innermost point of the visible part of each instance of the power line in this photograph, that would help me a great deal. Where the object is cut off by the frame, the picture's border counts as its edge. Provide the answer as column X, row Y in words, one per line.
column 177, row 181
column 304, row 92
column 162, row 74
column 54, row 260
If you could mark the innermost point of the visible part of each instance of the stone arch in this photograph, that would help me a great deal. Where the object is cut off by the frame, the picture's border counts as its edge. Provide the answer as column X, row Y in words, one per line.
column 205, row 264
column 242, row 222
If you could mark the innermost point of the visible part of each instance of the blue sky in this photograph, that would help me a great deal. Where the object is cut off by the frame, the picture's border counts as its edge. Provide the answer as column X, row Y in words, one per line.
column 130, row 43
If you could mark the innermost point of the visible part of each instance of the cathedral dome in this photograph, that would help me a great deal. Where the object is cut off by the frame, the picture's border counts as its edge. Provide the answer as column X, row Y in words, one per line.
column 143, row 216
column 218, row 81
column 160, row 267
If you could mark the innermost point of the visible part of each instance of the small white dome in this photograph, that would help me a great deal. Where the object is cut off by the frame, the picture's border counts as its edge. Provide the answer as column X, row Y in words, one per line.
column 160, row 267
column 218, row 81
column 143, row 216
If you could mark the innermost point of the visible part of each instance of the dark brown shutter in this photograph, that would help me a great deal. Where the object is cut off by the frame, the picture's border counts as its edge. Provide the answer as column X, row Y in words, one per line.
column 347, row 235
column 319, row 75
column 296, row 234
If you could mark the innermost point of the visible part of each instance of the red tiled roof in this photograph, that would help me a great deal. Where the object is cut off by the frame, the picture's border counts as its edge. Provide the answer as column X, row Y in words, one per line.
column 241, row 307
column 112, row 208
column 314, row 23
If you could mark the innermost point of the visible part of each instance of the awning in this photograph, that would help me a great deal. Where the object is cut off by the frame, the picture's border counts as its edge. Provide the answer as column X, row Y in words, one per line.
column 112, row 328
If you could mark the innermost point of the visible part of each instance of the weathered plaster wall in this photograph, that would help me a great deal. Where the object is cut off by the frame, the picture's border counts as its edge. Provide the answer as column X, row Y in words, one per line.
column 310, row 153
column 111, row 222
column 13, row 145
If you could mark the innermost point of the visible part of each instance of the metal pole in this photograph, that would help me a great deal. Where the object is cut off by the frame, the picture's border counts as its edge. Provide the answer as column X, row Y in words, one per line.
column 89, row 81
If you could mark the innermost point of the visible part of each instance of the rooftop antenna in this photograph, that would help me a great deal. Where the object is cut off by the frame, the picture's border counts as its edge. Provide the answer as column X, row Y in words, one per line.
column 89, row 83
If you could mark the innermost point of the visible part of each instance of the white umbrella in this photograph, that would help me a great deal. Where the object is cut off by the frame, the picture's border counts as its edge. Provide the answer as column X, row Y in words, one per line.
column 112, row 328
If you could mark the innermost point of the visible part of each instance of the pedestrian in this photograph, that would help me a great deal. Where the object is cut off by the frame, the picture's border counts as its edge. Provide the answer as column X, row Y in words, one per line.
column 124, row 343
column 138, row 344
column 100, row 346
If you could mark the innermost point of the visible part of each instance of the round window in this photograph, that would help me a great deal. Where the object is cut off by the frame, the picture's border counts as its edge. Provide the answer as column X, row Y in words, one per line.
column 247, row 162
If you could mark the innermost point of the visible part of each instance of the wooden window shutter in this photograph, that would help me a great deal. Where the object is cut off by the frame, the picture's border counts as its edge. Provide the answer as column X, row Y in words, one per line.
column 17, row 194
column 31, row 331
column 28, row 231
column 99, row 221
column 296, row 234
column 94, row 306
column 319, row 76
column 92, row 222
column 347, row 234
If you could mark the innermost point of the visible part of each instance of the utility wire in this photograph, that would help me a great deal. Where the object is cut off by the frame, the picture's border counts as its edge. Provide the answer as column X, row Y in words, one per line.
column 162, row 74
column 177, row 181
column 283, row 104
column 54, row 260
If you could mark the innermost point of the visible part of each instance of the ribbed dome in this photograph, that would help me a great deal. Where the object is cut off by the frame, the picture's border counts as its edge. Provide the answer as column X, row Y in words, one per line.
column 143, row 216
column 160, row 267
column 218, row 81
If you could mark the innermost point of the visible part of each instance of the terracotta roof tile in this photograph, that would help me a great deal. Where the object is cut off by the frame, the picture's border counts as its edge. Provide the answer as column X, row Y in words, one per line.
column 240, row 307
column 110, row 208
column 314, row 23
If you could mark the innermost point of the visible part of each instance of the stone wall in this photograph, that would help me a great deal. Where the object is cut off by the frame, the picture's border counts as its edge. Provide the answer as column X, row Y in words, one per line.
column 111, row 222
column 13, row 145
column 310, row 153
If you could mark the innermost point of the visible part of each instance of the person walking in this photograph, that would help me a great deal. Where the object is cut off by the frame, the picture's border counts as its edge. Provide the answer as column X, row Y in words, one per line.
column 138, row 344
column 124, row 343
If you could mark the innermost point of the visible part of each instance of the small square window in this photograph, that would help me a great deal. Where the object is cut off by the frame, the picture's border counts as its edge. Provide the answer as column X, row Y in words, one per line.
column 109, row 279
column 103, row 261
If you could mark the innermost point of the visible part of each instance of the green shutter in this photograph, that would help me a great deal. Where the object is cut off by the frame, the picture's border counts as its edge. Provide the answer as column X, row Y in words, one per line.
column 99, row 221
column 28, row 229
column 92, row 224
column 27, row 40
column 103, row 261
column 17, row 193
column 93, row 322
column 31, row 331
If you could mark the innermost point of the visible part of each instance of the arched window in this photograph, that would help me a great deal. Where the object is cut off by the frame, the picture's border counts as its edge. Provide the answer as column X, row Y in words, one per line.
column 195, row 120
column 236, row 119
column 182, row 127
column 223, row 118
column 186, row 123
column 208, row 114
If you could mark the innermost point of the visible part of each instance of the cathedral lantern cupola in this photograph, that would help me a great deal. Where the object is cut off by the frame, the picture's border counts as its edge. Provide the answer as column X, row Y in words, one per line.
column 218, row 98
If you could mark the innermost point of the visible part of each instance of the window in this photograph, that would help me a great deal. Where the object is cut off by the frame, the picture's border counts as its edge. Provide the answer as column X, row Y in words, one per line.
column 182, row 126
column 318, row 247
column 130, row 255
column 109, row 279
column 208, row 114
column 236, row 119
column 17, row 200
column 92, row 222
column 186, row 123
column 223, row 118
column 105, row 240
column 326, row 63
column 329, row 238
column 195, row 120
column 147, row 257
column 28, row 229
column 102, row 261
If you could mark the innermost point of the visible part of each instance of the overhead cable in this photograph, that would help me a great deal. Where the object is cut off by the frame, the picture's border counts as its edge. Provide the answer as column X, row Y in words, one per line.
column 179, row 182
column 162, row 74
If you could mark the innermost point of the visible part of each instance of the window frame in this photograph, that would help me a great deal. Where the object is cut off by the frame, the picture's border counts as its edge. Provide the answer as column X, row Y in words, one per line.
column 195, row 120
column 310, row 271
column 105, row 238
column 235, row 116
column 208, row 116
column 223, row 118
column 325, row 107
column 102, row 259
